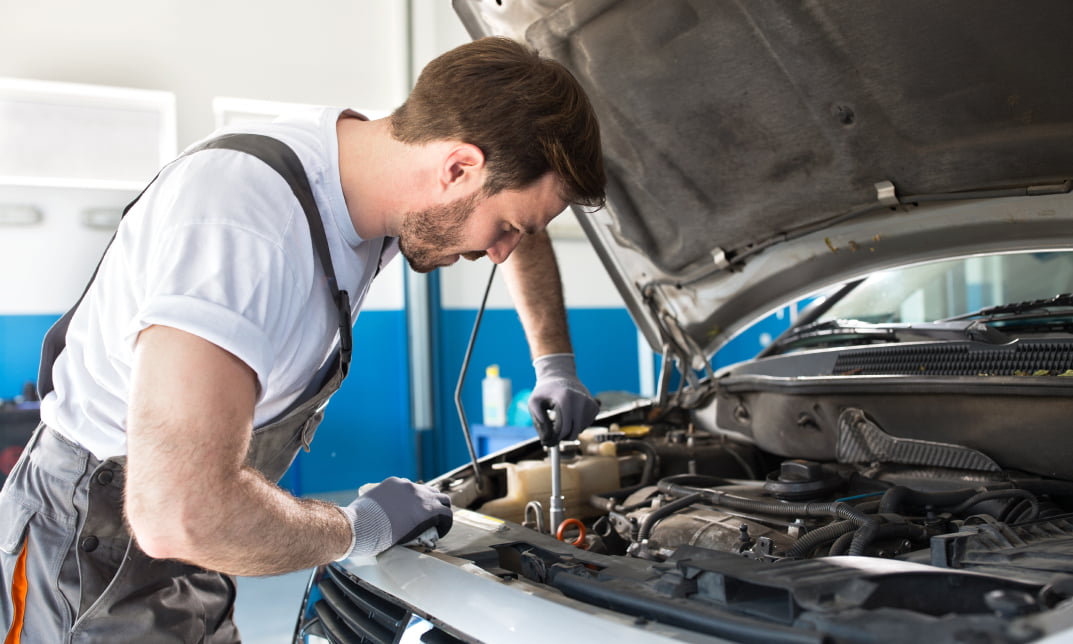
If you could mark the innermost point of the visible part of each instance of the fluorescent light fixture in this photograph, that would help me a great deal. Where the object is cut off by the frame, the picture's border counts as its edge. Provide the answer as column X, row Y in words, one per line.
column 19, row 215
column 102, row 218
column 53, row 133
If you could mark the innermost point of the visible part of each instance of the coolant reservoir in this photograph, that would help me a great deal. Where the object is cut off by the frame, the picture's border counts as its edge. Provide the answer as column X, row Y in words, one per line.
column 528, row 481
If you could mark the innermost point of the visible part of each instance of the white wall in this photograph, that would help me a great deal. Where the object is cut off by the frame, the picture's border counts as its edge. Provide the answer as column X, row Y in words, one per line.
column 358, row 53
column 362, row 54
column 336, row 52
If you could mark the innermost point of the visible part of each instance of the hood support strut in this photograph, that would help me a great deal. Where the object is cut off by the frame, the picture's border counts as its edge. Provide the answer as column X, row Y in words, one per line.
column 679, row 350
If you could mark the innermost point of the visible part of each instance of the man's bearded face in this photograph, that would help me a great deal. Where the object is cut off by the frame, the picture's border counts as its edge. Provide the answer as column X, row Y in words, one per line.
column 431, row 238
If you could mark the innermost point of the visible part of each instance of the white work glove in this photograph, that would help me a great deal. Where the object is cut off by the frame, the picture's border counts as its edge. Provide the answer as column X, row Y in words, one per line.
column 558, row 388
column 396, row 511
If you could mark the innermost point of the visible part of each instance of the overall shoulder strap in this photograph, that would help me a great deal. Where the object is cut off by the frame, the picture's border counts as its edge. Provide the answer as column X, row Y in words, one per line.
column 281, row 158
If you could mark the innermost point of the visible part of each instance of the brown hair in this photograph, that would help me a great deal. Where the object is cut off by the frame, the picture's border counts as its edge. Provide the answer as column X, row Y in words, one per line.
column 527, row 114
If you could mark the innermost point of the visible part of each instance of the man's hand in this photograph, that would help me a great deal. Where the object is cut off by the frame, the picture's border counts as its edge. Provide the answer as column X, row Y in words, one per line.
column 558, row 388
column 395, row 511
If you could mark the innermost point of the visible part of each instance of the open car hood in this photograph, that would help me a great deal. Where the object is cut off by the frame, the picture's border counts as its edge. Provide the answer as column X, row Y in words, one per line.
column 759, row 151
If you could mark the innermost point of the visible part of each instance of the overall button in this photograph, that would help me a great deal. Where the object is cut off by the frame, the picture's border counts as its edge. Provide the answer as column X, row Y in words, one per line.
column 89, row 544
column 104, row 477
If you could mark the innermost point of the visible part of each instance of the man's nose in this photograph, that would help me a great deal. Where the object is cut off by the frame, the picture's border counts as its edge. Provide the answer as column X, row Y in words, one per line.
column 501, row 250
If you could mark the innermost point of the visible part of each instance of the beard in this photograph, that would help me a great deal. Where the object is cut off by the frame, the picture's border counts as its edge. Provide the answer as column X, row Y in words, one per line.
column 425, row 234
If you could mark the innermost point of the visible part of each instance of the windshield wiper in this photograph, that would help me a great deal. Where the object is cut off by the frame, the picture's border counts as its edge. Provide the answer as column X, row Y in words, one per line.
column 1036, row 308
column 849, row 332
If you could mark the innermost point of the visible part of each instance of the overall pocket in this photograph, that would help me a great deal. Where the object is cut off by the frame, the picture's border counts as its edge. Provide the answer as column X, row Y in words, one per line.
column 31, row 551
column 13, row 531
column 12, row 539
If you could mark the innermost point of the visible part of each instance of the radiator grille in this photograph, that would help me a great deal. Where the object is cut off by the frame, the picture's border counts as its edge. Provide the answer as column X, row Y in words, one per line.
column 959, row 359
column 349, row 611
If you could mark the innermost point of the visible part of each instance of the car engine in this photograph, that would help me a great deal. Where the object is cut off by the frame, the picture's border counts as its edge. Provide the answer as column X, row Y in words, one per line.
column 683, row 525
column 687, row 487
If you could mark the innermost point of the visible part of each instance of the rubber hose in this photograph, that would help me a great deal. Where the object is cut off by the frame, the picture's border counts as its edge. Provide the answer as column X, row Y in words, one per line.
column 841, row 544
column 998, row 494
column 892, row 499
column 898, row 497
column 808, row 542
column 609, row 501
column 651, row 462
column 884, row 531
column 868, row 507
column 659, row 513
column 862, row 537
column 720, row 498
column 866, row 524
column 1017, row 512
column 602, row 503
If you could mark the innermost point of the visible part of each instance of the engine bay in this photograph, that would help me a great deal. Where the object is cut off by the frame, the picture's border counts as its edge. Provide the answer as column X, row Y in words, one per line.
column 691, row 527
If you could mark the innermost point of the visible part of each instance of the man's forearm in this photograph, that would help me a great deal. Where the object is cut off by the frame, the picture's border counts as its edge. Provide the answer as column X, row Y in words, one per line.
column 258, row 529
column 532, row 276
column 240, row 524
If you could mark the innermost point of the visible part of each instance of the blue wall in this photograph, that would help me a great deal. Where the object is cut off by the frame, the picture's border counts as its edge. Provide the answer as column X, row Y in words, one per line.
column 20, row 350
column 366, row 434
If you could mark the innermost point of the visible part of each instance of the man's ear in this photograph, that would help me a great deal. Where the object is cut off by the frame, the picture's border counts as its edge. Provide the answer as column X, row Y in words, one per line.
column 462, row 167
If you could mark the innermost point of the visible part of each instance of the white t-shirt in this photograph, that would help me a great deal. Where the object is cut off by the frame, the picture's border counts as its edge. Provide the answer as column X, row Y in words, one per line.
column 219, row 247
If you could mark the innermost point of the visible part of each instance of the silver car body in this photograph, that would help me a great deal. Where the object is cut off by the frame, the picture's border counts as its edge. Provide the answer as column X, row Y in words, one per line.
column 759, row 153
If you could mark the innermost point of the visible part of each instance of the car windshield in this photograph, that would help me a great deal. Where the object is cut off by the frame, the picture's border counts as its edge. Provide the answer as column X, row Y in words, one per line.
column 952, row 288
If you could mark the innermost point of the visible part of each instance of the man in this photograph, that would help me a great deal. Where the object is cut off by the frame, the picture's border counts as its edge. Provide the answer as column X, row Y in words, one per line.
column 218, row 324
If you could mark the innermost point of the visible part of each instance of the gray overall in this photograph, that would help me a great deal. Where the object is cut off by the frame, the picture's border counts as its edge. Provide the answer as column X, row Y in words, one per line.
column 71, row 572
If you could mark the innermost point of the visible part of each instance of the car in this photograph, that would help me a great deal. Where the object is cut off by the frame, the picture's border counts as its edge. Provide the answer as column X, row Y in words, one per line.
column 897, row 465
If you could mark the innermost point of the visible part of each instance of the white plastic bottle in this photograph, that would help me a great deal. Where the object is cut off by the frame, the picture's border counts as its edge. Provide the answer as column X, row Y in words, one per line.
column 496, row 397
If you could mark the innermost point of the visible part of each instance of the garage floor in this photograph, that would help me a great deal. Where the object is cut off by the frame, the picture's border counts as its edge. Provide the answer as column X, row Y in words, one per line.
column 267, row 607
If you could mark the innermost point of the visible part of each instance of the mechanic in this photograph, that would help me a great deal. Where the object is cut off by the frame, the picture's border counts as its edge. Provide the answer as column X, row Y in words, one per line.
column 199, row 359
